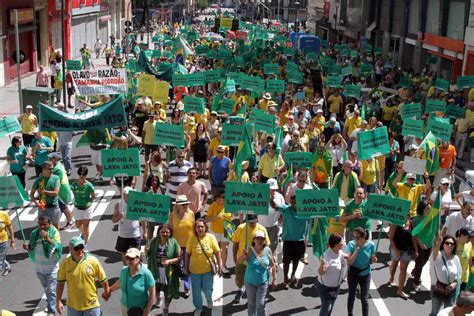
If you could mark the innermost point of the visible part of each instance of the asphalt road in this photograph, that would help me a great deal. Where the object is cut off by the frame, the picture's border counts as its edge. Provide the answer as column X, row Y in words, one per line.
column 20, row 291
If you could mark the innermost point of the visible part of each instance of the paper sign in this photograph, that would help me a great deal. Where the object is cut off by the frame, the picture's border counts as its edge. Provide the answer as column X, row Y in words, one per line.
column 12, row 193
column 300, row 95
column 295, row 77
column 121, row 161
column 411, row 110
column 365, row 69
column 146, row 85
column 346, row 71
column 252, row 83
column 201, row 50
column 253, row 197
column 231, row 134
column 405, row 82
column 169, row 134
column 414, row 165
column 317, row 203
column 196, row 79
column 299, row 159
column 334, row 81
column 442, row 84
column 263, row 121
column 275, row 85
column 149, row 207
column 334, row 70
column 227, row 106
column 9, row 125
column 351, row 90
column 413, row 127
column 291, row 66
column 440, row 129
column 73, row 65
column 465, row 82
column 193, row 104
column 373, row 143
column 226, row 23
column 433, row 105
column 100, row 81
column 212, row 76
column 180, row 80
column 271, row 68
column 387, row 209
column 455, row 111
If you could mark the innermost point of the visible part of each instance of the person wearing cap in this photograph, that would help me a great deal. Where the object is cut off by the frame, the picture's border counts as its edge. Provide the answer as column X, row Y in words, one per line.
column 148, row 135
column 291, row 124
column 44, row 250
column 41, row 147
column 446, row 200
column 319, row 121
column 270, row 164
column 464, row 305
column 270, row 221
column 260, row 260
column 264, row 102
column 80, row 271
column 244, row 233
column 139, row 115
column 28, row 122
column 137, row 285
column 295, row 232
column 47, row 186
column 177, row 172
column 215, row 143
column 16, row 158
column 218, row 169
column 129, row 235
column 195, row 191
column 457, row 220
column 447, row 161
column 409, row 190
column 331, row 128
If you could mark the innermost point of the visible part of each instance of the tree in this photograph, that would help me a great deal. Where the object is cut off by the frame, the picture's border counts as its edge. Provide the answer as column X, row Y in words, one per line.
column 202, row 4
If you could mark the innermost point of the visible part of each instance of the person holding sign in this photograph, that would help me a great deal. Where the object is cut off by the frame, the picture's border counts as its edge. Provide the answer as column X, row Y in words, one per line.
column 411, row 191
column 295, row 232
column 353, row 215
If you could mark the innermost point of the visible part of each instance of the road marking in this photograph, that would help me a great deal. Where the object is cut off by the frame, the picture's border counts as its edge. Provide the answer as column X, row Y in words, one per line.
column 218, row 296
column 99, row 210
column 425, row 274
column 378, row 302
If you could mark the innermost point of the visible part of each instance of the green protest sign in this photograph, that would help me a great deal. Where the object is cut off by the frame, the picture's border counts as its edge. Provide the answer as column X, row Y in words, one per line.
column 275, row 85
column 346, row 71
column 148, row 53
column 440, row 129
column 377, row 50
column 156, row 53
column 169, row 134
column 351, row 90
column 73, row 65
column 334, row 81
column 193, row 104
column 211, row 54
column 312, row 56
column 180, row 80
column 344, row 52
column 164, row 67
column 317, row 203
column 334, row 70
column 289, row 51
column 455, row 111
column 291, row 66
column 108, row 115
column 413, row 127
column 252, row 83
column 227, row 106
column 405, row 82
column 373, row 143
column 224, row 54
column 253, row 197
column 442, row 84
column 327, row 61
column 211, row 76
column 271, row 68
column 354, row 54
column 9, row 125
column 263, row 121
column 299, row 159
column 295, row 77
column 465, row 82
column 411, row 110
column 149, row 207
column 121, row 162
column 12, row 193
column 234, row 76
column 229, row 85
column 231, row 134
column 201, row 50
column 433, row 105
column 196, row 79
column 365, row 69
column 387, row 209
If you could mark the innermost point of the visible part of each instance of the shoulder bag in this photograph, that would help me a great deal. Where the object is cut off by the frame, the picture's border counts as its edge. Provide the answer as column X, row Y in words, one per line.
column 442, row 290
column 212, row 263
column 331, row 292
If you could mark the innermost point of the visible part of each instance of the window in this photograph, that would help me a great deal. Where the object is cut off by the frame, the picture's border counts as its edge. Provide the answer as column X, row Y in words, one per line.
column 432, row 17
column 414, row 16
column 456, row 20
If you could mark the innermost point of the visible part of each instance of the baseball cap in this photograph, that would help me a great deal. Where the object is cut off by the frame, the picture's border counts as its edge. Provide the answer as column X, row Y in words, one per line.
column 291, row 117
column 132, row 253
column 54, row 155
column 252, row 218
column 319, row 111
column 76, row 241
column 220, row 147
column 444, row 181
column 127, row 189
column 273, row 184
column 411, row 176
column 29, row 107
column 259, row 234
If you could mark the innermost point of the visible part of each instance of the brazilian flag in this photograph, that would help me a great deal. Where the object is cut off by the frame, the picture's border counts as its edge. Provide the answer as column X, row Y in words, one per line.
column 229, row 229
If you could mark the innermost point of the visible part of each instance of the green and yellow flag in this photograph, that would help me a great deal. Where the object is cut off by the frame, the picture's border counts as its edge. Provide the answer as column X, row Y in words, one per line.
column 427, row 230
column 244, row 152
column 229, row 230
column 430, row 153
column 319, row 236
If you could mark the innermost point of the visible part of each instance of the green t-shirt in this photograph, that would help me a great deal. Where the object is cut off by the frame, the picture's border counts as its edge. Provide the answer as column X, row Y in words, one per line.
column 82, row 194
column 42, row 154
column 363, row 222
column 48, row 184
column 20, row 155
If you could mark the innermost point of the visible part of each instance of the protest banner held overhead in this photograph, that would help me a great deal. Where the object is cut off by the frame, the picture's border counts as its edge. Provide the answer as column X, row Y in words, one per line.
column 100, row 81
column 9, row 125
column 317, row 203
column 149, row 207
column 386, row 208
column 121, row 161
column 169, row 134
column 373, row 143
column 248, row 197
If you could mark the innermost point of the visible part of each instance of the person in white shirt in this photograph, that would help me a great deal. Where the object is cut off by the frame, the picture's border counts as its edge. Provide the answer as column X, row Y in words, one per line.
column 97, row 48
column 446, row 199
column 458, row 220
column 464, row 305
column 466, row 196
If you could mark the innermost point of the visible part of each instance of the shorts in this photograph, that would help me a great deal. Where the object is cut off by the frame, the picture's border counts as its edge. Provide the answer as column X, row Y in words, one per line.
column 123, row 244
column 150, row 148
column 96, row 158
column 83, row 214
column 405, row 255
column 292, row 251
column 54, row 213
column 220, row 237
column 62, row 206
column 200, row 158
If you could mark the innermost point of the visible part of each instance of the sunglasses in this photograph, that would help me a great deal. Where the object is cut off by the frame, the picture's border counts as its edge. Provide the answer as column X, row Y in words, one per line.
column 355, row 237
column 134, row 130
column 449, row 243
column 220, row 152
column 181, row 157
column 82, row 174
column 81, row 247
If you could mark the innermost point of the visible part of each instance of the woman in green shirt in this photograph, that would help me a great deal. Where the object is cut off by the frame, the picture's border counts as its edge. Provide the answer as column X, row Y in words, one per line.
column 84, row 195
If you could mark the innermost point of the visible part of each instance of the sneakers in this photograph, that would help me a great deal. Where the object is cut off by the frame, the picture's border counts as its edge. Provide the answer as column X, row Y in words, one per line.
column 7, row 272
column 225, row 270
column 187, row 293
column 68, row 226
column 210, row 305
column 238, row 296
column 418, row 288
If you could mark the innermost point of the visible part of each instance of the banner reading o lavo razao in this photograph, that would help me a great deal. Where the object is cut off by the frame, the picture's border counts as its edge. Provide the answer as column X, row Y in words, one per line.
column 100, row 81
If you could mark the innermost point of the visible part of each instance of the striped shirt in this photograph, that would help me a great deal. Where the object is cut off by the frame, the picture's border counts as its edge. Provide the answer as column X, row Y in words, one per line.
column 178, row 175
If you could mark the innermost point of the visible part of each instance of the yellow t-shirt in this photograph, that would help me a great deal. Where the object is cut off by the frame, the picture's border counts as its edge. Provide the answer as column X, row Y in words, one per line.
column 199, row 264
column 370, row 170
column 352, row 123
column 4, row 222
column 268, row 165
column 215, row 209
column 389, row 113
column 28, row 123
column 410, row 193
column 81, row 277
column 283, row 117
column 335, row 103
column 183, row 229
column 263, row 105
column 320, row 123
column 52, row 135
column 309, row 92
column 202, row 118
column 149, row 129
column 239, row 236
column 464, row 254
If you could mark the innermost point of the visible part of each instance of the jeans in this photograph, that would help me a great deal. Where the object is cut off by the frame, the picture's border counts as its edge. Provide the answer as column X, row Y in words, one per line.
column 4, row 265
column 48, row 282
column 420, row 261
column 326, row 304
column 437, row 303
column 204, row 283
column 256, row 295
column 66, row 152
column 88, row 312
column 364, row 282
column 187, row 279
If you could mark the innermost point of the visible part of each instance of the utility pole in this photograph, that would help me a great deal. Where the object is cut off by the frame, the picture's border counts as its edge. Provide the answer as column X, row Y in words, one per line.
column 63, row 63
column 18, row 70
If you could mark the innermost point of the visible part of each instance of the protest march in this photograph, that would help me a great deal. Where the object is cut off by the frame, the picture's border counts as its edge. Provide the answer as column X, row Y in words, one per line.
column 234, row 152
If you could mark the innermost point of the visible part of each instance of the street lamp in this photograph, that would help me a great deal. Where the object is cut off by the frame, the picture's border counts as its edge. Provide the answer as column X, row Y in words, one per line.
column 296, row 3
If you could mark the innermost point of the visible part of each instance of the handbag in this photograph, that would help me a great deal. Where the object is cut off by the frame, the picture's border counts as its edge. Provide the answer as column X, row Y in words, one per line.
column 180, row 270
column 441, row 290
column 211, row 262
column 331, row 292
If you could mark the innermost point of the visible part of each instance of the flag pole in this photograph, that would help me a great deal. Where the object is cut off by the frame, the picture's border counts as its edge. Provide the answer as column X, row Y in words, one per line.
column 246, row 230
column 21, row 226
column 378, row 237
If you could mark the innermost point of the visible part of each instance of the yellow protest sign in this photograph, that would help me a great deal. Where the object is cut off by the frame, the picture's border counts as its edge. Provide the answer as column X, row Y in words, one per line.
column 226, row 23
column 146, row 84
column 160, row 92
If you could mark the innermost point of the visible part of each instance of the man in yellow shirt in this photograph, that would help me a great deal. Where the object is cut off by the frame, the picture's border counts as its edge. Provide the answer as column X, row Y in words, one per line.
column 29, row 122
column 80, row 270
column 241, row 242
column 352, row 123
column 335, row 102
column 264, row 103
column 270, row 165
column 410, row 191
column 148, row 135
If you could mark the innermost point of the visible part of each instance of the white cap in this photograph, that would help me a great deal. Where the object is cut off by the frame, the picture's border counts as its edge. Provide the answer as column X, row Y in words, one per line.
column 29, row 107
column 273, row 184
column 259, row 233
column 444, row 181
